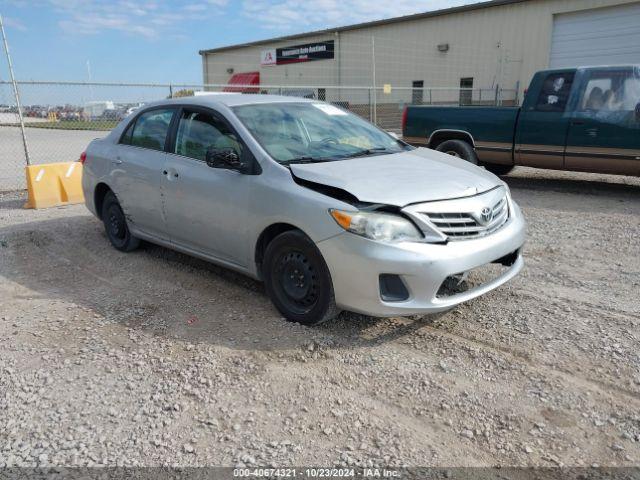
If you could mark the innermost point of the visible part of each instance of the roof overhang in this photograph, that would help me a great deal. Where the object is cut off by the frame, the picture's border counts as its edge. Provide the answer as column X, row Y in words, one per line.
column 375, row 23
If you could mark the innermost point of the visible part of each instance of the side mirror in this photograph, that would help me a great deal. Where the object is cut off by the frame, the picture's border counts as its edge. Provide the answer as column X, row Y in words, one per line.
column 226, row 158
column 638, row 112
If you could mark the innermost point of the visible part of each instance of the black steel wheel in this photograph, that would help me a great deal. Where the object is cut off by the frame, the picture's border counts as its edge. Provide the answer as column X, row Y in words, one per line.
column 297, row 279
column 115, row 225
column 459, row 149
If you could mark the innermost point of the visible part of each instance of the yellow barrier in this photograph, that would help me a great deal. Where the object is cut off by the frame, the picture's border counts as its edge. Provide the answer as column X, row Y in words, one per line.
column 54, row 184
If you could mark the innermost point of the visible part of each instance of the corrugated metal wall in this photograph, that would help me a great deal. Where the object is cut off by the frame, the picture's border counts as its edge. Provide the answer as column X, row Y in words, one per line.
column 500, row 45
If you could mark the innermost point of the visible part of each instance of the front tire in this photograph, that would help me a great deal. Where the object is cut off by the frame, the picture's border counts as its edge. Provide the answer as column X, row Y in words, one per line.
column 497, row 169
column 297, row 279
column 115, row 225
column 460, row 149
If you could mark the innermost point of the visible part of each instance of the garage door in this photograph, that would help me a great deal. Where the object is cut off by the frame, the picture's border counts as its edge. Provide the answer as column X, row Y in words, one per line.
column 603, row 36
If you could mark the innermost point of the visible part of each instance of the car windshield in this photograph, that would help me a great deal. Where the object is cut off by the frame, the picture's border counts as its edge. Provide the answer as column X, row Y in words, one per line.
column 314, row 132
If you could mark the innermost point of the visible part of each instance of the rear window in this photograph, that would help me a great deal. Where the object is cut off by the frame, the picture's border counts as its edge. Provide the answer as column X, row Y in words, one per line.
column 149, row 130
column 554, row 94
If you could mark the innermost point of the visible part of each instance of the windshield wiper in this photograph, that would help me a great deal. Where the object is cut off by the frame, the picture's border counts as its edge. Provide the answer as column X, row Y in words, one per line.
column 367, row 151
column 304, row 159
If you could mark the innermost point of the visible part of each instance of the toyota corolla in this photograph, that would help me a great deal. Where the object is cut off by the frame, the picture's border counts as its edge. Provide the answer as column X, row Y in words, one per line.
column 329, row 211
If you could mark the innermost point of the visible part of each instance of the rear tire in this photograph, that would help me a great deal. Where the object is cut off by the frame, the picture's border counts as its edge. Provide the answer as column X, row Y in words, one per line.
column 297, row 279
column 497, row 169
column 460, row 149
column 115, row 225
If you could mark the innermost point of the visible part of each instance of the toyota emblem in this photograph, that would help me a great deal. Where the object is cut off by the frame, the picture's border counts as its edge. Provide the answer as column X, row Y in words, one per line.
column 486, row 215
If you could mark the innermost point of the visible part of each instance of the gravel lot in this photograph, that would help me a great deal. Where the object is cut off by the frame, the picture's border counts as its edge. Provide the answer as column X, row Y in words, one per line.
column 154, row 358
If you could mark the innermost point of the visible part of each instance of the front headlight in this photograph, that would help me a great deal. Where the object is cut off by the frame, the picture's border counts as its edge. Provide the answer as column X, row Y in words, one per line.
column 383, row 227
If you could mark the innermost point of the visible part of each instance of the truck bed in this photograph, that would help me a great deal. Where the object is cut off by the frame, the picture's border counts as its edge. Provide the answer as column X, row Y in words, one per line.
column 494, row 124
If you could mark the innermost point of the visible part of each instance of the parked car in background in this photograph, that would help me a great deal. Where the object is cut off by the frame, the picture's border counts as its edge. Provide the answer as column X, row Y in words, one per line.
column 329, row 211
column 584, row 119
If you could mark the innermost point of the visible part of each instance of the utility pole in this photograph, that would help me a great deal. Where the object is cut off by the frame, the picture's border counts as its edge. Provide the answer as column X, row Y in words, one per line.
column 90, row 80
column 373, row 74
column 15, row 93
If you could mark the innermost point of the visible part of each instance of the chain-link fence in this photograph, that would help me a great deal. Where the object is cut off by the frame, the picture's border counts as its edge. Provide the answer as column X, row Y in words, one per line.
column 61, row 118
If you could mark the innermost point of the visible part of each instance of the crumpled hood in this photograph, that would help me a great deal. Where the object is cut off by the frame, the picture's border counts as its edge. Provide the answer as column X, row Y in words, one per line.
column 399, row 179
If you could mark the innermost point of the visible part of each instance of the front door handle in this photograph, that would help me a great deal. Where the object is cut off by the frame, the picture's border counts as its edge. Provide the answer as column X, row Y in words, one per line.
column 577, row 122
column 117, row 161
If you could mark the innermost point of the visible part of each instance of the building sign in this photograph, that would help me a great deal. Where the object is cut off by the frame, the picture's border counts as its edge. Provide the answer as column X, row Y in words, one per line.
column 268, row 57
column 298, row 53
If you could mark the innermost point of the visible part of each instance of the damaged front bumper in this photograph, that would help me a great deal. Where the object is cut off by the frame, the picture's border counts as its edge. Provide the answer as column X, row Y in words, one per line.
column 356, row 265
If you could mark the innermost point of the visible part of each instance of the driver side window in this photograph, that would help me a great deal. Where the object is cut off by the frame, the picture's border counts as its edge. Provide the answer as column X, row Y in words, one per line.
column 198, row 132
column 611, row 91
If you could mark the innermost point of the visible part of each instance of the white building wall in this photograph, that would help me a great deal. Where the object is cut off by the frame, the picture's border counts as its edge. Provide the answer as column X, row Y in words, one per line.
column 500, row 45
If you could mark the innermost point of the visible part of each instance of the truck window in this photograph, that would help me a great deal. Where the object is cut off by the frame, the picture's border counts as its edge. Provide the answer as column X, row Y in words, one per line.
column 611, row 91
column 555, row 92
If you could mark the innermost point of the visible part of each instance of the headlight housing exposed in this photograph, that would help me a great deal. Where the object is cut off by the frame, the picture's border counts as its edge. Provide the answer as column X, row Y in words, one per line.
column 382, row 227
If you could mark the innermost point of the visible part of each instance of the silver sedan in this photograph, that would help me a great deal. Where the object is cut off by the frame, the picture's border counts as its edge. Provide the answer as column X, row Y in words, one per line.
column 329, row 211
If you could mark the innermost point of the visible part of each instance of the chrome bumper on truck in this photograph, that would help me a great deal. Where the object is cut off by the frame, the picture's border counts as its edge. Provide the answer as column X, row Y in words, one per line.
column 362, row 268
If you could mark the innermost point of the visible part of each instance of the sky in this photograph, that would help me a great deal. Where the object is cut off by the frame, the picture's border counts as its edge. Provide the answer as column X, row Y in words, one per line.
column 157, row 41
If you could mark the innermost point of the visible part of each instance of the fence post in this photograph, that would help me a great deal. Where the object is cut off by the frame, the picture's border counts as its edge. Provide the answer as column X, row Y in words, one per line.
column 495, row 101
column 170, row 90
column 16, row 94
column 373, row 62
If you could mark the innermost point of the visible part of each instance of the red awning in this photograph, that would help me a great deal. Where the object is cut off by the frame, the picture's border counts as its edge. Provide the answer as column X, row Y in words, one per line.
column 243, row 79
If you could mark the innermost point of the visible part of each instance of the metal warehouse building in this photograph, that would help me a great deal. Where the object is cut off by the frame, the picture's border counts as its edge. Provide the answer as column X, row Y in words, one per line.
column 490, row 49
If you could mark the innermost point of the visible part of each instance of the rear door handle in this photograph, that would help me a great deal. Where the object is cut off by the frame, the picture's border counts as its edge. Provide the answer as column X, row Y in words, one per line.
column 577, row 122
column 117, row 161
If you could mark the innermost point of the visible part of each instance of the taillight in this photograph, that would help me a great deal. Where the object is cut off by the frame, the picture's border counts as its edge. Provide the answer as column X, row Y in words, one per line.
column 83, row 157
column 404, row 118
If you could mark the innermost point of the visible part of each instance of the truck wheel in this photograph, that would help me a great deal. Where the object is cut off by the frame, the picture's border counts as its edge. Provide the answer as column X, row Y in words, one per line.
column 498, row 169
column 297, row 279
column 460, row 149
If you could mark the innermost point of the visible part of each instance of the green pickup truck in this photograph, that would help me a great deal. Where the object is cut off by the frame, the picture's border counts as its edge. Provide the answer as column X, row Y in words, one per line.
column 584, row 119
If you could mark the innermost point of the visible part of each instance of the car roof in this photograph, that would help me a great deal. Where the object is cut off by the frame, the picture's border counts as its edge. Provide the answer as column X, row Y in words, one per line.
column 230, row 100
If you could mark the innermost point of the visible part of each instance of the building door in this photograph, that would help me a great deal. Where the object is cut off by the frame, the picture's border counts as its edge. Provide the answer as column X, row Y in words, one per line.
column 417, row 94
column 466, row 94
column 600, row 36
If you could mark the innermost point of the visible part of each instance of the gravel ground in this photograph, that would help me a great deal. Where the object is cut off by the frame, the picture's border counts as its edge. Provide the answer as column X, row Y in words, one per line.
column 154, row 358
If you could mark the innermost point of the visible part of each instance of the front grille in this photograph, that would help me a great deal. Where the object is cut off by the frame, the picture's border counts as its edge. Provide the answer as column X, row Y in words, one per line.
column 462, row 226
